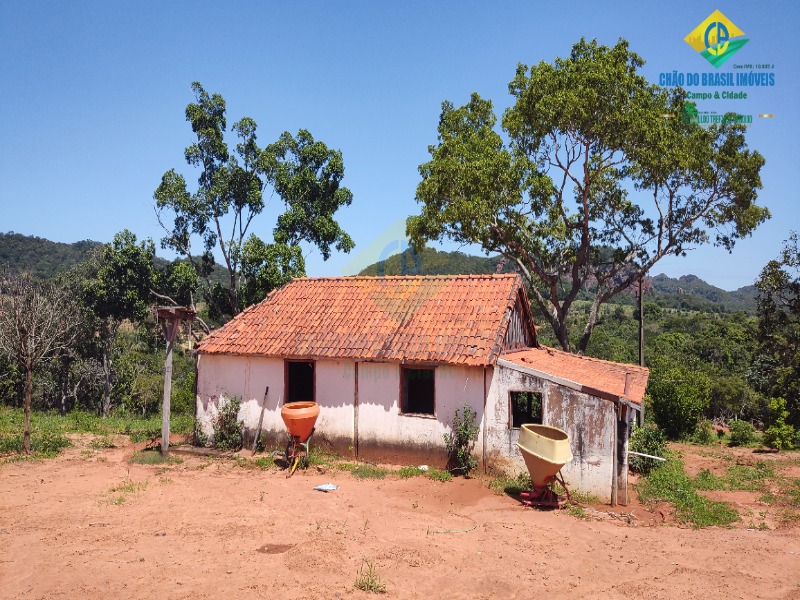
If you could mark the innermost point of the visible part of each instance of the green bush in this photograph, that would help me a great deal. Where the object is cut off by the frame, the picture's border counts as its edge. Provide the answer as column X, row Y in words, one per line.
column 780, row 434
column 742, row 433
column 461, row 440
column 648, row 439
column 680, row 397
column 227, row 427
column 704, row 433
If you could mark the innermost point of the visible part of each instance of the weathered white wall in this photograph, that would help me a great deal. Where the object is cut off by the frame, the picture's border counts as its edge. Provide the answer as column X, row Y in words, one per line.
column 334, row 393
column 589, row 422
column 384, row 432
column 221, row 377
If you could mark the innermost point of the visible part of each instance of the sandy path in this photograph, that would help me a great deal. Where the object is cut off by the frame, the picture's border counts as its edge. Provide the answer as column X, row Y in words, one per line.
column 210, row 529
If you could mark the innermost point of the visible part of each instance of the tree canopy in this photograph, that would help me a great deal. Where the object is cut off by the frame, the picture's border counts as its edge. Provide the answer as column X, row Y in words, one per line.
column 230, row 193
column 592, row 182
column 776, row 371
column 118, row 287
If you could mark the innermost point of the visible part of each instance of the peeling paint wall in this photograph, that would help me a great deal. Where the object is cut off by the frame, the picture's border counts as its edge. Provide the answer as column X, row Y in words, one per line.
column 222, row 377
column 589, row 422
column 384, row 433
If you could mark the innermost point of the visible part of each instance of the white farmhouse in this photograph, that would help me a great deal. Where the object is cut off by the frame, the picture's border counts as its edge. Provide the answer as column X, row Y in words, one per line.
column 390, row 359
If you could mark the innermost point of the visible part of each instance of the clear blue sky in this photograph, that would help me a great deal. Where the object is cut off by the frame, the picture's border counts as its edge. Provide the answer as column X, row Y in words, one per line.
column 93, row 96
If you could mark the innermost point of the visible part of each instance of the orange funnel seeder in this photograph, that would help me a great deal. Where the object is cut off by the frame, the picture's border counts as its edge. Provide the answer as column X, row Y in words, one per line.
column 300, row 418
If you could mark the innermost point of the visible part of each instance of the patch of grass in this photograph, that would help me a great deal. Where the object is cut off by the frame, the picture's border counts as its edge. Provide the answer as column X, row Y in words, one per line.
column 670, row 483
column 438, row 474
column 265, row 462
column 154, row 457
column 579, row 497
column 409, row 471
column 785, row 496
column 367, row 471
column 129, row 486
column 44, row 443
column 750, row 478
column 102, row 443
column 368, row 579
column 321, row 458
column 48, row 429
column 430, row 473
column 502, row 483
column 577, row 511
column 737, row 477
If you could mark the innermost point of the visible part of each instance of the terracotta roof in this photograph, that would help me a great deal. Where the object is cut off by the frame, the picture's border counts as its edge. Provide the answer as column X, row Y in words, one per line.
column 454, row 319
column 594, row 376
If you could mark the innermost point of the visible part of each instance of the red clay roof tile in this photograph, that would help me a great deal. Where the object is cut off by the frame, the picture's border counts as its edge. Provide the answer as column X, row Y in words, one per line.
column 452, row 319
column 590, row 373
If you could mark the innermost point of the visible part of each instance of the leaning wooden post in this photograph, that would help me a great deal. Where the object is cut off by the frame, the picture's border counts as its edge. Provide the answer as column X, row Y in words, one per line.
column 171, row 317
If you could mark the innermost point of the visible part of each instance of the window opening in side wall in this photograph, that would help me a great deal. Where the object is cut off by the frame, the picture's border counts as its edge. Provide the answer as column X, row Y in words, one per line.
column 418, row 390
column 300, row 381
column 525, row 407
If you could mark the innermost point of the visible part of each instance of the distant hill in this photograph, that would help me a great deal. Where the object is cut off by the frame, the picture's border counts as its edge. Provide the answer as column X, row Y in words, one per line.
column 688, row 292
column 692, row 287
column 44, row 258
column 432, row 262
column 41, row 257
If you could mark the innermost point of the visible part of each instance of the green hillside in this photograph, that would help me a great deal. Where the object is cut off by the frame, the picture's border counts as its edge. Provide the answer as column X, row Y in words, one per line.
column 688, row 292
column 41, row 257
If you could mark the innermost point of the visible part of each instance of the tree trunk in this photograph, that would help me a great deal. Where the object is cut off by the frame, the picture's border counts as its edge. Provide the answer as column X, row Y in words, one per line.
column 106, row 408
column 64, row 381
column 641, row 323
column 26, row 437
column 587, row 331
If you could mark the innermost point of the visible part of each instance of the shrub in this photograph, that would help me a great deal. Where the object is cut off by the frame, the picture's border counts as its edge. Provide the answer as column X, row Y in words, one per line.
column 461, row 440
column 648, row 439
column 780, row 434
column 680, row 397
column 742, row 433
column 704, row 433
column 227, row 427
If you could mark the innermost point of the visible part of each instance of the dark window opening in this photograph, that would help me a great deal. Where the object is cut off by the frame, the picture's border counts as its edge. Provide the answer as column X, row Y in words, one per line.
column 299, row 381
column 418, row 391
column 526, row 407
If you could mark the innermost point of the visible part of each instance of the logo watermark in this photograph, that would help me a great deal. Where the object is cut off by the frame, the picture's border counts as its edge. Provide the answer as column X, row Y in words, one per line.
column 717, row 39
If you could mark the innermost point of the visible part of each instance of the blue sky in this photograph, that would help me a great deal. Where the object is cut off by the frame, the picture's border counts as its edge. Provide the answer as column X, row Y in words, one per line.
column 93, row 96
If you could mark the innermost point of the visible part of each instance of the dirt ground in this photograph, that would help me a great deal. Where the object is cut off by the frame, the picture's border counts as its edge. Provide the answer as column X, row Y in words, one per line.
column 89, row 524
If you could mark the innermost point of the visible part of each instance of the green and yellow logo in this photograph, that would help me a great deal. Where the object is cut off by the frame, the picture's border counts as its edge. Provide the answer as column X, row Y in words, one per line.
column 716, row 38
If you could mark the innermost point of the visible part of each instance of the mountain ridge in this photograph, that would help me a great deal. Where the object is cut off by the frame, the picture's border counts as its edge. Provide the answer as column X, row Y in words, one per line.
column 44, row 258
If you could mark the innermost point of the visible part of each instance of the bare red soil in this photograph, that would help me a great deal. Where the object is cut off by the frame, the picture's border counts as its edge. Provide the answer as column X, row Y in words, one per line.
column 209, row 529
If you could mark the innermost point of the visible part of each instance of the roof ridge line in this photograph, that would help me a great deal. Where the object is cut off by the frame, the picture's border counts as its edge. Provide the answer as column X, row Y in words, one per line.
column 374, row 277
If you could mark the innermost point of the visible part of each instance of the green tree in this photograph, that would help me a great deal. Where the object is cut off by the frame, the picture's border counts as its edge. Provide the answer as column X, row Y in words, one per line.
column 118, row 289
column 776, row 367
column 594, row 184
column 680, row 396
column 304, row 173
column 37, row 319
